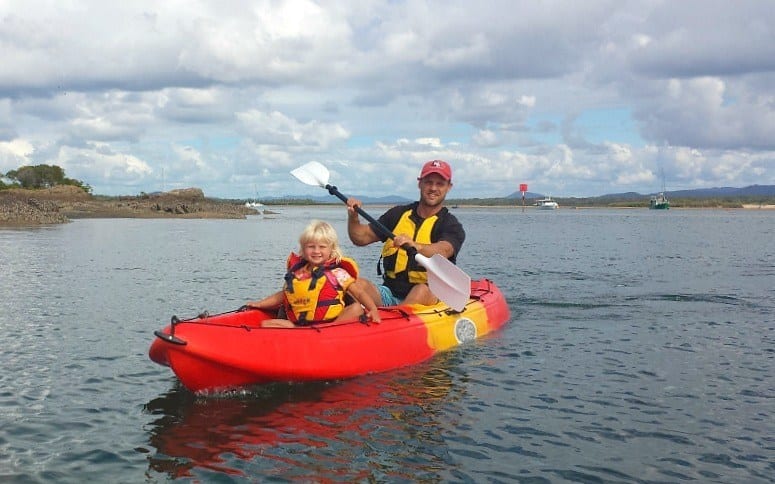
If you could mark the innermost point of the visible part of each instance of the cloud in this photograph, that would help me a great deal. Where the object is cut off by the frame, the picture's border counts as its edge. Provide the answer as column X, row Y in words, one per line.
column 705, row 112
column 576, row 98
column 14, row 154
column 99, row 161
column 188, row 105
column 276, row 128
column 719, row 39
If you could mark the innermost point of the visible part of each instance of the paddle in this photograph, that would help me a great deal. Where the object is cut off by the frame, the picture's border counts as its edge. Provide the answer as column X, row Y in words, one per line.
column 446, row 280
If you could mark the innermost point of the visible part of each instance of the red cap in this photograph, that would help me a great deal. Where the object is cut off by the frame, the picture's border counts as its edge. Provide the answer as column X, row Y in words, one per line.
column 436, row 166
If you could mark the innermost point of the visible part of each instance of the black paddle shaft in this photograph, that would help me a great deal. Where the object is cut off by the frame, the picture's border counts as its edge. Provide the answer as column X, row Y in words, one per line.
column 379, row 225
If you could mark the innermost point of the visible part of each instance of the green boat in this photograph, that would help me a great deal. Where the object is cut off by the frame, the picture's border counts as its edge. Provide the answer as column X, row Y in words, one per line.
column 659, row 202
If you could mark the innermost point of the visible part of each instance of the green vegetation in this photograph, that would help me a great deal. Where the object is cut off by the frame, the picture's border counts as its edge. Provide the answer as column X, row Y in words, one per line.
column 47, row 176
column 41, row 176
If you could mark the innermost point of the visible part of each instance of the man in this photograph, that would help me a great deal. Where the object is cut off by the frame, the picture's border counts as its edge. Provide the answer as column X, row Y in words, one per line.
column 425, row 225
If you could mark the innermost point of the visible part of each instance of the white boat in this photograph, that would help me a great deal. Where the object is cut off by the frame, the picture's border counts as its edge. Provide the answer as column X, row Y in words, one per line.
column 254, row 204
column 547, row 203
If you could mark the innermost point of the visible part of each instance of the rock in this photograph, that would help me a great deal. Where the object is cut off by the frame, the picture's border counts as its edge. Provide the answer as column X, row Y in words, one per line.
column 59, row 204
column 18, row 211
column 189, row 193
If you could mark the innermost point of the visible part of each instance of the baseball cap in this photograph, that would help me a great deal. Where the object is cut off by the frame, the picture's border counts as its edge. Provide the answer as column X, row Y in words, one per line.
column 436, row 166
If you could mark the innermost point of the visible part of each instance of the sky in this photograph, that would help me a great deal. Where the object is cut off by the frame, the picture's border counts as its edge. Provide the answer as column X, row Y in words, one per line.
column 573, row 98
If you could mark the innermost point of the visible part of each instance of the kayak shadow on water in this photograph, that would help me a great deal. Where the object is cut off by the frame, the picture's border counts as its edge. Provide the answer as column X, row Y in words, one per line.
column 353, row 429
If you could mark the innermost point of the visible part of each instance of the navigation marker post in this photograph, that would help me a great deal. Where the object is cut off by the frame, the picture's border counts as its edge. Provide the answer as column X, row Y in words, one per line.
column 523, row 189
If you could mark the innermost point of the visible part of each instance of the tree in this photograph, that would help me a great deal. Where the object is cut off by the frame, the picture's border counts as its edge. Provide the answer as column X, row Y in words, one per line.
column 43, row 176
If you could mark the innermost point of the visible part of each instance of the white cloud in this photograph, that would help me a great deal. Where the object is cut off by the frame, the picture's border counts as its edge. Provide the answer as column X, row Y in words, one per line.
column 485, row 137
column 276, row 128
column 527, row 101
column 223, row 94
column 14, row 154
column 122, row 173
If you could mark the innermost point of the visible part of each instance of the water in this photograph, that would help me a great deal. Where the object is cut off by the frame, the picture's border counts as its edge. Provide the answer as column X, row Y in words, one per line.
column 641, row 349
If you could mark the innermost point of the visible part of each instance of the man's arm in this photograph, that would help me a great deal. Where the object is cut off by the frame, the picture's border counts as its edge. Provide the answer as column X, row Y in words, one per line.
column 360, row 234
column 449, row 238
column 428, row 250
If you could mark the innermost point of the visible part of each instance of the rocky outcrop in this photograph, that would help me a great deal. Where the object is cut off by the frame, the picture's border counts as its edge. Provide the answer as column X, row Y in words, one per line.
column 189, row 193
column 16, row 210
column 59, row 204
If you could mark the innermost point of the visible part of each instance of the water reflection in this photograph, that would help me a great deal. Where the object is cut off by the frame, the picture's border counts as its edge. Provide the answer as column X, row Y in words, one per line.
column 377, row 426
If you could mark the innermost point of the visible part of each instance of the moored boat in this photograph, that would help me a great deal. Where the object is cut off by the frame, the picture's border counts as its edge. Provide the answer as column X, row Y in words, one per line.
column 232, row 349
column 547, row 203
column 659, row 202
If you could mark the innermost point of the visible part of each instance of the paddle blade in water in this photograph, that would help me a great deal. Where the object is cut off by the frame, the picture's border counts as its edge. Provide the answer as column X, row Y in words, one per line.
column 312, row 173
column 446, row 281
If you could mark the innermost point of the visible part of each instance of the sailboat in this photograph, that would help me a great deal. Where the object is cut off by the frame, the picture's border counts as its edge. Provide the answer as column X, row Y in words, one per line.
column 255, row 204
column 660, row 201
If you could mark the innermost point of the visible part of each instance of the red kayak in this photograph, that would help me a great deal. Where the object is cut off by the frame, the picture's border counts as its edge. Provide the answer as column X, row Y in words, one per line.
column 232, row 349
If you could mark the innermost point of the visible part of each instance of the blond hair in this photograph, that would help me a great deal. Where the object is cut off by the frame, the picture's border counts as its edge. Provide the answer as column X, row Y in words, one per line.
column 318, row 231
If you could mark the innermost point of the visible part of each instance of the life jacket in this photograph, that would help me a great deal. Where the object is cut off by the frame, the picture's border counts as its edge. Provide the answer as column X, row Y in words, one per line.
column 401, row 271
column 319, row 297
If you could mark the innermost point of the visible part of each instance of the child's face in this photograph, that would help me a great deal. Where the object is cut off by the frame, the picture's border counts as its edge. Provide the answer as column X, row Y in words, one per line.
column 317, row 252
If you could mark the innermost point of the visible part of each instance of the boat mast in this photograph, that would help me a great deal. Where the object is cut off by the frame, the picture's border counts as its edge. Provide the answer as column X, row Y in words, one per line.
column 662, row 175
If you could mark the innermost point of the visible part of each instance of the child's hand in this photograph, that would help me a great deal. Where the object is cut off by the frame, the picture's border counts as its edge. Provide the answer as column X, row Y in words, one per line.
column 373, row 315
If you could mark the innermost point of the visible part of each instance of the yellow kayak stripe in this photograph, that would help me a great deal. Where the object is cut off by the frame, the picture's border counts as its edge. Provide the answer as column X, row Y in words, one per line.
column 447, row 330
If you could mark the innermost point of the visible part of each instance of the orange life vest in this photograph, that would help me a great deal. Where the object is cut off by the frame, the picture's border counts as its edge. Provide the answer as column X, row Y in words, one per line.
column 318, row 297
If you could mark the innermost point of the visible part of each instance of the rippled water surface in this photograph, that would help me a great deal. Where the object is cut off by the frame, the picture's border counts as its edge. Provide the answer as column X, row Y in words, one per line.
column 641, row 349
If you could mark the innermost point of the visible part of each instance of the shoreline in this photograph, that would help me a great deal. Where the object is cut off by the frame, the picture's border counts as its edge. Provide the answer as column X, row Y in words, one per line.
column 62, row 204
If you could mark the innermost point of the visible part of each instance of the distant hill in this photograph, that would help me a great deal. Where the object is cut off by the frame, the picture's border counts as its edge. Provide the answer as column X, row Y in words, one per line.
column 750, row 191
column 330, row 199
column 527, row 195
column 625, row 197
column 716, row 192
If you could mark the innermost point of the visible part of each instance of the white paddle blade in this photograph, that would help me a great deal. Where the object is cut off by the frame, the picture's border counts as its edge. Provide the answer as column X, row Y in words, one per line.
column 446, row 281
column 312, row 173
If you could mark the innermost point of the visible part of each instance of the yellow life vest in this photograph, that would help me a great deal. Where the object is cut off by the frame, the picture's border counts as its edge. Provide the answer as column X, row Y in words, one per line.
column 319, row 297
column 401, row 272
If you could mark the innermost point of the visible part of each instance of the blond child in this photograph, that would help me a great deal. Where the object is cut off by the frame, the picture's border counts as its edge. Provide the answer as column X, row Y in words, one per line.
column 316, row 282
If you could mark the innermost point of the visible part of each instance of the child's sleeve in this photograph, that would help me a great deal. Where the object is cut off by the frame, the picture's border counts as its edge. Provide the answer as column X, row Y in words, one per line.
column 343, row 277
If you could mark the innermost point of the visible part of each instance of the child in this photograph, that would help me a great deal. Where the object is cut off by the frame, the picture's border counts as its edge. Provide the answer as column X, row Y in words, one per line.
column 316, row 284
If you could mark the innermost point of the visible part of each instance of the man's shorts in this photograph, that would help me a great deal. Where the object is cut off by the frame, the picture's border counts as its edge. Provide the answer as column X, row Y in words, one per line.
column 388, row 299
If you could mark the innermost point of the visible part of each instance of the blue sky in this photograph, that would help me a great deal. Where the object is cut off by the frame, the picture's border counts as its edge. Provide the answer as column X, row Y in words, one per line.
column 573, row 98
